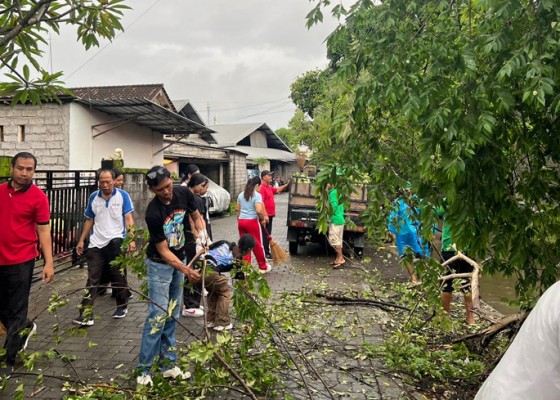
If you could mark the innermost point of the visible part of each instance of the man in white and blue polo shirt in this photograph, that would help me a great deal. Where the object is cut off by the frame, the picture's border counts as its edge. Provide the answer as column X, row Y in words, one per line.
column 104, row 213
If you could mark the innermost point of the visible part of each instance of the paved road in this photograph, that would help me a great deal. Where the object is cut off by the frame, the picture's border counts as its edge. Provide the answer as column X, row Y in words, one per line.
column 110, row 348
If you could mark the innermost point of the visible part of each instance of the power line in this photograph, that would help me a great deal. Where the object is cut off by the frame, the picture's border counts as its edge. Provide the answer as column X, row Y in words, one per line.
column 116, row 37
column 283, row 99
column 264, row 112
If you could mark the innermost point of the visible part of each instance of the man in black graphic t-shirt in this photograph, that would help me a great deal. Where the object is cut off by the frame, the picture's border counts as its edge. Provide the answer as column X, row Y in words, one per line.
column 167, row 220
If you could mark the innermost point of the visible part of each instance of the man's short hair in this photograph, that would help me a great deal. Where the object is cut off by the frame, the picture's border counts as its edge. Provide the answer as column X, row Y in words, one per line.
column 156, row 175
column 266, row 172
column 24, row 154
column 106, row 170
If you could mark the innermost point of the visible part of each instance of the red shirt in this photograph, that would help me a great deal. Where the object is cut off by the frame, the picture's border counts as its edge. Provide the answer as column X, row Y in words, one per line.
column 267, row 193
column 20, row 213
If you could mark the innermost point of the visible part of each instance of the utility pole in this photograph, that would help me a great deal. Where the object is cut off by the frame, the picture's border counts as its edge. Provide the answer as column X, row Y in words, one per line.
column 207, row 113
column 50, row 54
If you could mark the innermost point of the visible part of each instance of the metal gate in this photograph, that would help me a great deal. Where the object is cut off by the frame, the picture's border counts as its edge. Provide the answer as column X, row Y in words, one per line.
column 68, row 193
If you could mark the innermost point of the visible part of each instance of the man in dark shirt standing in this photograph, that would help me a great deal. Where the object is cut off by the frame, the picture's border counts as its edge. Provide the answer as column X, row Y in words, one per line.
column 167, row 218
column 25, row 215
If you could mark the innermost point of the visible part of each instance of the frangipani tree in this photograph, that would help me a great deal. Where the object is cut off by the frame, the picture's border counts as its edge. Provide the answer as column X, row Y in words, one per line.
column 24, row 28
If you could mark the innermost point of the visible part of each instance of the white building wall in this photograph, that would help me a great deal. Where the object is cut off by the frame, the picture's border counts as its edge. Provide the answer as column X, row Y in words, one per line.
column 258, row 139
column 45, row 130
column 86, row 151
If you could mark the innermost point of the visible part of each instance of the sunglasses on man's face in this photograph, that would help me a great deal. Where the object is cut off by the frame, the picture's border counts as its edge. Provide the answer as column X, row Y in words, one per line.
column 161, row 171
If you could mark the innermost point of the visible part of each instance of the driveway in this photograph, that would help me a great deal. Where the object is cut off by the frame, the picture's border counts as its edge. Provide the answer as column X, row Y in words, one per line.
column 110, row 349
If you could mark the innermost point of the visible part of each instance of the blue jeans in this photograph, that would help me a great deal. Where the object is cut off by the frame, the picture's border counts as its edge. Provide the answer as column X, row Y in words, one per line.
column 165, row 284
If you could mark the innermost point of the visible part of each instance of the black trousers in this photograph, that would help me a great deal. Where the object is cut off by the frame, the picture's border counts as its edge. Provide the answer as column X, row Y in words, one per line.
column 191, row 292
column 106, row 282
column 98, row 260
column 15, row 284
column 265, row 242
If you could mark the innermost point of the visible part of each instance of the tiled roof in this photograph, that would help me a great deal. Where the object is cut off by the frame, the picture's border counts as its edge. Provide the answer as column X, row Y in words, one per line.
column 147, row 105
column 149, row 91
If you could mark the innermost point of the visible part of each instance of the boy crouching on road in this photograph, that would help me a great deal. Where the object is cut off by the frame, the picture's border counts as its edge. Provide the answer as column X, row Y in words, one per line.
column 222, row 257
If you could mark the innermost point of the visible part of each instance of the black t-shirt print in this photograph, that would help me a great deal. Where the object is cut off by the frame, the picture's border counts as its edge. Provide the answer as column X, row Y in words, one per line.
column 170, row 222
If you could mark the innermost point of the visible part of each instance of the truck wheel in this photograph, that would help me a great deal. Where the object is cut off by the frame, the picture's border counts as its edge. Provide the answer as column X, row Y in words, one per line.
column 359, row 251
column 293, row 247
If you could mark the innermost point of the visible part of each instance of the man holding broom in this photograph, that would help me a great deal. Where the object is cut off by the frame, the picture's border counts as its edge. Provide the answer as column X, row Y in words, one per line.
column 267, row 194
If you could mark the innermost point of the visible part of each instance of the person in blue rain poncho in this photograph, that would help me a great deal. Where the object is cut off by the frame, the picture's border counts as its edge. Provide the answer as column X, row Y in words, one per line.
column 404, row 225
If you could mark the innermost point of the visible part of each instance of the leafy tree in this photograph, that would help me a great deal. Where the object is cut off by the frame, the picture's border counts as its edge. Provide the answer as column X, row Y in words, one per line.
column 300, row 131
column 287, row 136
column 23, row 28
column 461, row 98
column 302, row 128
column 308, row 89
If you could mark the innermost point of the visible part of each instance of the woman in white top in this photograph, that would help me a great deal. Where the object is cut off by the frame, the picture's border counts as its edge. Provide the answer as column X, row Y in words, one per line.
column 250, row 215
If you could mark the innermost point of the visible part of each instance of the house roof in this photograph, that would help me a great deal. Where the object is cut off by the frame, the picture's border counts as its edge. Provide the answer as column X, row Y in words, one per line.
column 254, row 153
column 186, row 109
column 153, row 92
column 147, row 105
column 230, row 135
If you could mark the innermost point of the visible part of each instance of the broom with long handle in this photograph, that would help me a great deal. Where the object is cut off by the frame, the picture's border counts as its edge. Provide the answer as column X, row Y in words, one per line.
column 278, row 253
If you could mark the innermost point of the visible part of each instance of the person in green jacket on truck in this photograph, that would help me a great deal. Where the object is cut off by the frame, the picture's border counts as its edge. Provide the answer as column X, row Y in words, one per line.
column 336, row 227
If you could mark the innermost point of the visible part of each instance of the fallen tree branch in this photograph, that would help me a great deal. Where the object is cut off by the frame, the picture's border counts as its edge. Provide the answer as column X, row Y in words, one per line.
column 351, row 300
column 288, row 353
column 344, row 304
column 473, row 276
column 491, row 331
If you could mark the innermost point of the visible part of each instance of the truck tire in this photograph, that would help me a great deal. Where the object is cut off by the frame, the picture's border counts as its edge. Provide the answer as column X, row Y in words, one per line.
column 359, row 252
column 293, row 247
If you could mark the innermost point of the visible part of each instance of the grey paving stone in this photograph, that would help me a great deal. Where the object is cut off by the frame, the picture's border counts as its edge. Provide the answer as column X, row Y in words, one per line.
column 118, row 341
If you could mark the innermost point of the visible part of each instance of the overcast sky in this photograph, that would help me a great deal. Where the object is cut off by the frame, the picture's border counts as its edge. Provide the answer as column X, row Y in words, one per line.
column 239, row 57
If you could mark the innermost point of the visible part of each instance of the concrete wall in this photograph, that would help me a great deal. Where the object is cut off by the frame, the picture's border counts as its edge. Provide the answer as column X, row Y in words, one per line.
column 46, row 133
column 86, row 151
column 236, row 174
column 284, row 170
column 213, row 162
column 135, row 185
column 197, row 152
column 61, row 137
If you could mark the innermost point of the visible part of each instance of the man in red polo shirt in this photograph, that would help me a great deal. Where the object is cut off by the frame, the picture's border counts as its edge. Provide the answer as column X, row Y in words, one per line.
column 267, row 193
column 25, row 215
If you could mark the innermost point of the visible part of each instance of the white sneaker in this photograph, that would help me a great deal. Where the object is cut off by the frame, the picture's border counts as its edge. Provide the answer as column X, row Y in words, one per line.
column 175, row 373
column 219, row 328
column 83, row 321
column 267, row 270
column 210, row 325
column 144, row 380
column 192, row 312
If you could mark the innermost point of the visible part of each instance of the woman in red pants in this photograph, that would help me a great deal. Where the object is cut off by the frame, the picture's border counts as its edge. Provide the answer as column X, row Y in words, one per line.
column 250, row 215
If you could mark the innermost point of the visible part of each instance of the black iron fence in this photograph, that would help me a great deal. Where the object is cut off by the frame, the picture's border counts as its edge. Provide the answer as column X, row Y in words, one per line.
column 68, row 193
